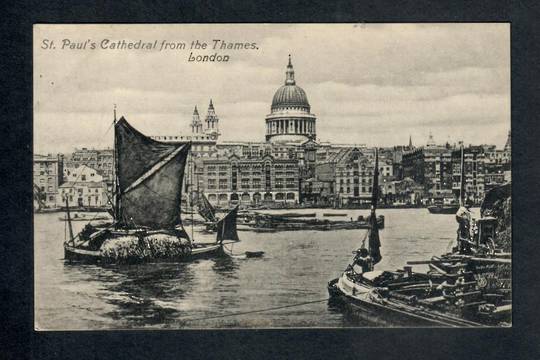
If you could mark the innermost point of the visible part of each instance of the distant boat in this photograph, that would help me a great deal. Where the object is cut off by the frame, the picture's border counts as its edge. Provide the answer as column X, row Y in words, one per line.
column 289, row 215
column 86, row 217
column 334, row 214
column 443, row 209
column 270, row 224
column 146, row 224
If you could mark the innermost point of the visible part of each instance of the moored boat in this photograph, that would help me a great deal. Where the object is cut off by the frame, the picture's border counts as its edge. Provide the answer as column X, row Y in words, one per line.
column 290, row 215
column 264, row 223
column 443, row 209
column 86, row 217
column 470, row 287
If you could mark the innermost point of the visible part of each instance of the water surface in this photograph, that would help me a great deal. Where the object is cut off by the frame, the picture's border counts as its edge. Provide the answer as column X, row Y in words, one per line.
column 202, row 294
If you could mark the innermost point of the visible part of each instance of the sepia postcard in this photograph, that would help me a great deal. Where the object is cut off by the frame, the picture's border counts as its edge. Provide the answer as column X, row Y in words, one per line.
column 218, row 176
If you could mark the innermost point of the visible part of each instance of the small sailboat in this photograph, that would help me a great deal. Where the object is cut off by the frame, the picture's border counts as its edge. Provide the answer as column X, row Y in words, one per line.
column 205, row 209
column 146, row 225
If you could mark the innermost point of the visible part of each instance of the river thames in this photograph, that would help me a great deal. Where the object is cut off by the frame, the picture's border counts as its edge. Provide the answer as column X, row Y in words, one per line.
column 211, row 293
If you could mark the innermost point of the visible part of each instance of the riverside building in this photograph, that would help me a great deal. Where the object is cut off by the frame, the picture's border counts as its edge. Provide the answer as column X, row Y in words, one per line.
column 47, row 177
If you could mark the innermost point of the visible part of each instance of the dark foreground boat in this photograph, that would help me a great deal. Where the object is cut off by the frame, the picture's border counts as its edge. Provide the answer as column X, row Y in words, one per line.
column 467, row 288
column 454, row 293
column 146, row 225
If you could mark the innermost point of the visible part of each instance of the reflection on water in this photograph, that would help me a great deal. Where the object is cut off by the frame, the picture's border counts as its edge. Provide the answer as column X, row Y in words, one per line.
column 202, row 294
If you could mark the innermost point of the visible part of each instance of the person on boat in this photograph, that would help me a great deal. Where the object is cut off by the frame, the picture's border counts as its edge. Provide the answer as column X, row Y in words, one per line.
column 363, row 260
column 463, row 218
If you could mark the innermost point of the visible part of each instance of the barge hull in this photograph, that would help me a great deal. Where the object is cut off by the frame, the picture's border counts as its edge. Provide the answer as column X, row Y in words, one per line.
column 383, row 315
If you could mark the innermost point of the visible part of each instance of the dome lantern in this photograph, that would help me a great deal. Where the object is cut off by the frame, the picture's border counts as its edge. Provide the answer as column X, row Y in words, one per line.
column 289, row 80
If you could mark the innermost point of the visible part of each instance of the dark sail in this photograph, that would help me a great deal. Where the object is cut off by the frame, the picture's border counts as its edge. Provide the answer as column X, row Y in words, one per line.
column 150, row 175
column 226, row 227
column 136, row 153
column 374, row 240
column 205, row 209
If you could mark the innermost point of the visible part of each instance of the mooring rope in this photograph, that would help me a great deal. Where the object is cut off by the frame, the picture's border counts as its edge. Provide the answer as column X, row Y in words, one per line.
column 255, row 311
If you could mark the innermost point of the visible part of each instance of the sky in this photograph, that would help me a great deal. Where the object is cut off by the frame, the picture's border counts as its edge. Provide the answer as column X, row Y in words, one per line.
column 373, row 84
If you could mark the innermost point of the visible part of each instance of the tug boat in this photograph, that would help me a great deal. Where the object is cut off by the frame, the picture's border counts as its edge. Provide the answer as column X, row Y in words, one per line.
column 146, row 225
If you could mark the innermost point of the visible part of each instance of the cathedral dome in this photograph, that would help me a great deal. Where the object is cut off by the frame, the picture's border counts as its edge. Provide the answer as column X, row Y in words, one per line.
column 290, row 120
column 290, row 94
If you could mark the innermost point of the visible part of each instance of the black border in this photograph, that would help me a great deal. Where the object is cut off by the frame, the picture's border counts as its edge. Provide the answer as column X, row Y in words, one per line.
column 19, row 341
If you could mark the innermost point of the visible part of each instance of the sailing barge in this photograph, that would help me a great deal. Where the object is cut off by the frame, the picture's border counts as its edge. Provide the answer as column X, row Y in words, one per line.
column 470, row 287
column 146, row 224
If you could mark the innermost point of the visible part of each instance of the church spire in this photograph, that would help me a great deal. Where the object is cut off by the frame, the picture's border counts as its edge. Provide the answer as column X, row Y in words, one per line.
column 196, row 124
column 410, row 142
column 289, row 80
column 212, row 121
column 508, row 145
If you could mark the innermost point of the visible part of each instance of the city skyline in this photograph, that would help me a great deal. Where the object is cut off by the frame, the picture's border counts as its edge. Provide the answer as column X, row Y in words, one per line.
column 451, row 80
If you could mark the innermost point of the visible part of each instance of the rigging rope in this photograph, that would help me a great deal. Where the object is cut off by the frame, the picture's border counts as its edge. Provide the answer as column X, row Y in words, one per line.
column 254, row 311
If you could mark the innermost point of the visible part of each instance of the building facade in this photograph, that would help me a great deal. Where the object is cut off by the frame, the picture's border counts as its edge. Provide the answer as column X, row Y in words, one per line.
column 87, row 194
column 47, row 178
column 102, row 160
column 247, row 181
column 84, row 187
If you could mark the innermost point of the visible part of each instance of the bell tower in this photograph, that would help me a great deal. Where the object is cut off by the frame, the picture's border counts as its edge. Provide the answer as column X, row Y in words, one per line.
column 212, row 122
column 196, row 124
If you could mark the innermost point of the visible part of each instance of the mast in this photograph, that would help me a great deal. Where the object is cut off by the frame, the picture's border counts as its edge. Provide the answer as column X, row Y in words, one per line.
column 374, row 242
column 71, row 239
column 116, row 185
column 462, row 180
column 191, row 192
